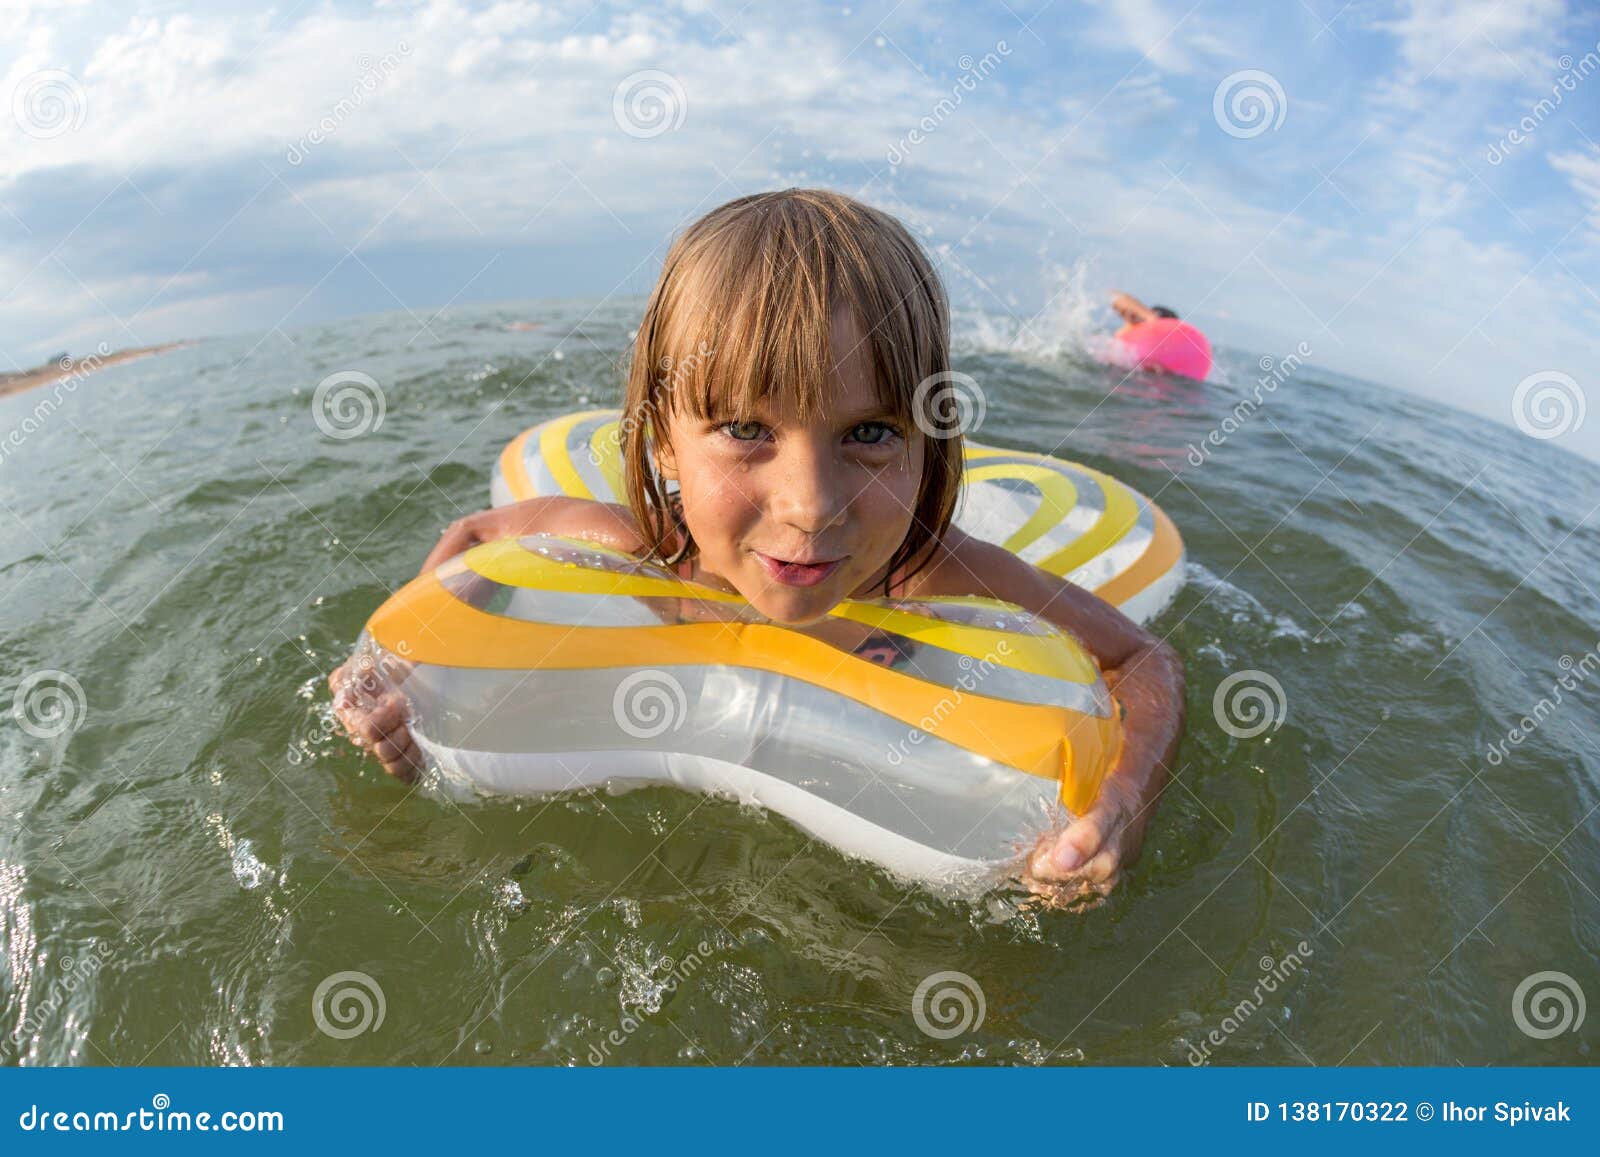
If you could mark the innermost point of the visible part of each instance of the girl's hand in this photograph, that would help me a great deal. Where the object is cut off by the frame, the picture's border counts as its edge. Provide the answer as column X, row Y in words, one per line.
column 372, row 712
column 366, row 700
column 1087, row 857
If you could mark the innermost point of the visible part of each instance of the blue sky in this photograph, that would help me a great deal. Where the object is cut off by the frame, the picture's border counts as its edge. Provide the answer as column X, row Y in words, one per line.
column 162, row 173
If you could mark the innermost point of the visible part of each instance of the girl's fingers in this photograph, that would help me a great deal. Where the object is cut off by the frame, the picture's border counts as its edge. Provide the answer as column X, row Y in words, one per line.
column 411, row 754
column 1103, row 871
column 388, row 714
column 350, row 720
column 367, row 727
column 375, row 717
column 1082, row 840
column 374, row 720
column 1088, row 851
column 1072, row 895
column 404, row 766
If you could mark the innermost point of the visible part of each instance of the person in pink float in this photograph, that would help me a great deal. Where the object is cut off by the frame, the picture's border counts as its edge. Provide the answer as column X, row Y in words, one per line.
column 1155, row 338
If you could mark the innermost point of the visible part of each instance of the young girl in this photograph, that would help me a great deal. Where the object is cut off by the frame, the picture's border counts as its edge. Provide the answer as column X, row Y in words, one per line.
column 775, row 379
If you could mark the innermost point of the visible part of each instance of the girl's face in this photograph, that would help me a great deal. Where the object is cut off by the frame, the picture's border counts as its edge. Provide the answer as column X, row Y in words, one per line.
column 797, row 517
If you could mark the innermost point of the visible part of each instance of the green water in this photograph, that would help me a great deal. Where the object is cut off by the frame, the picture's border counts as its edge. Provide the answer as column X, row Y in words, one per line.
column 182, row 868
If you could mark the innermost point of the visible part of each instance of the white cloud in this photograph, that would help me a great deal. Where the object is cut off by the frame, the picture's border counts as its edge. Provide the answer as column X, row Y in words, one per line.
column 1582, row 170
column 1476, row 39
column 1171, row 37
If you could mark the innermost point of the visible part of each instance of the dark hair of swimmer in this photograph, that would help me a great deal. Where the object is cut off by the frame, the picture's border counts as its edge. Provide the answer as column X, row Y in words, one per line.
column 1163, row 311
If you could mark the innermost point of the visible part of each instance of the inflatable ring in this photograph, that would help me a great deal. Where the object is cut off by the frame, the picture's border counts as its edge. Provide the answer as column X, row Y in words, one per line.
column 936, row 737
column 1167, row 344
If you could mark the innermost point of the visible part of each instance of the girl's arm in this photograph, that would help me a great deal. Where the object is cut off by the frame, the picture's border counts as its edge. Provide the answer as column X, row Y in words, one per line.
column 1145, row 677
column 367, row 704
column 603, row 523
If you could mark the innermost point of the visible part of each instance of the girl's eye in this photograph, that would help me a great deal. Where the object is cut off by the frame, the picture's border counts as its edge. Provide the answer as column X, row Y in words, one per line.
column 743, row 431
column 873, row 433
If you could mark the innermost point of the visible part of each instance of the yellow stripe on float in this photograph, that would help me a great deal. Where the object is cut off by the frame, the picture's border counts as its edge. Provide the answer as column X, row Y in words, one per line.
column 606, row 444
column 508, row 562
column 1119, row 517
column 553, row 449
column 979, row 450
column 1035, row 654
column 1057, row 497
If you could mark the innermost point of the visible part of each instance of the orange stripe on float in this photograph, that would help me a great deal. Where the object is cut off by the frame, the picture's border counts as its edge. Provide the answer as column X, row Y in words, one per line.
column 1159, row 557
column 515, row 470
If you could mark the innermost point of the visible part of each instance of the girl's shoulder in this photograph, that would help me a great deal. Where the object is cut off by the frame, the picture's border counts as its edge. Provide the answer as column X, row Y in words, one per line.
column 965, row 566
column 609, row 524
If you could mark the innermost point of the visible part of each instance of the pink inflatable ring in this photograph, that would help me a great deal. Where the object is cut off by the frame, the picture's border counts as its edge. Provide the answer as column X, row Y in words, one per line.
column 1170, row 345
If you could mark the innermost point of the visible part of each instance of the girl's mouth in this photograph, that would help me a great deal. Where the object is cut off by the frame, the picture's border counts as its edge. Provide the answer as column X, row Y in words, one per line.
column 796, row 574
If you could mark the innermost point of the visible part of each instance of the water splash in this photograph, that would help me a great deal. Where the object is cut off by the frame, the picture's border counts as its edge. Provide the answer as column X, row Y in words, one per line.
column 247, row 868
column 1074, row 322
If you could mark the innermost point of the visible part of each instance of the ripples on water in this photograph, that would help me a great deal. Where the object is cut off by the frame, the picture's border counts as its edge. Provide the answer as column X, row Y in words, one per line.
column 180, row 873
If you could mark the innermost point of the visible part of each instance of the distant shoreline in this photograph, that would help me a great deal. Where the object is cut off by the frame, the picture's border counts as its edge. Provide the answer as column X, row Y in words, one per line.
column 69, row 367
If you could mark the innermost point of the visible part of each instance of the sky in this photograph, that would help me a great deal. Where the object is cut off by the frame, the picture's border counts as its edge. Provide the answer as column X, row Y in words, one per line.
column 1412, row 190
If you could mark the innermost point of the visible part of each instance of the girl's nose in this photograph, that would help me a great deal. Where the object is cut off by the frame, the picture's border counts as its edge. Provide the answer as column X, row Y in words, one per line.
column 809, row 491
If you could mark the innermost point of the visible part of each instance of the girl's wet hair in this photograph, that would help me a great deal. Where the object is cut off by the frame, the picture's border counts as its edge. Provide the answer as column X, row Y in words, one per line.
column 743, row 310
